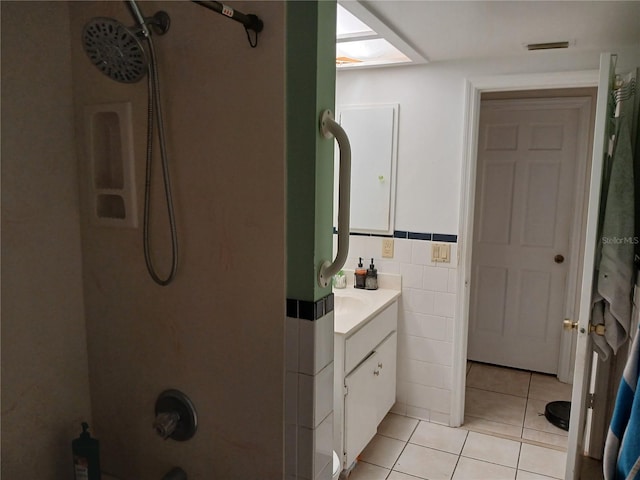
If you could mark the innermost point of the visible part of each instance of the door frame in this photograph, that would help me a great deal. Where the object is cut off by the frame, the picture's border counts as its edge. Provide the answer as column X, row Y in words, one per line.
column 474, row 87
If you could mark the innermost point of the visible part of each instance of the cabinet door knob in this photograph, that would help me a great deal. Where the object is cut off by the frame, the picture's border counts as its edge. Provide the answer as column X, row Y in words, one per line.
column 376, row 372
column 379, row 365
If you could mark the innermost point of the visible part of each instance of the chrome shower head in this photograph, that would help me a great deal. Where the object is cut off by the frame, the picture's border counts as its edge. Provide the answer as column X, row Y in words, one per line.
column 114, row 49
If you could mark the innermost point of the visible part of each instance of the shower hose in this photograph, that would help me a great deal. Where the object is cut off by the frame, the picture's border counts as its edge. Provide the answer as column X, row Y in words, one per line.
column 155, row 104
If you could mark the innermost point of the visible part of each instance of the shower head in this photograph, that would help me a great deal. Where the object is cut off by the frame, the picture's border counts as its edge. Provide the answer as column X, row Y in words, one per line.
column 114, row 49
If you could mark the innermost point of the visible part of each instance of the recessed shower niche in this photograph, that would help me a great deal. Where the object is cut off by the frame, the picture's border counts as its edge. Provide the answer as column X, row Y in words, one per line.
column 110, row 151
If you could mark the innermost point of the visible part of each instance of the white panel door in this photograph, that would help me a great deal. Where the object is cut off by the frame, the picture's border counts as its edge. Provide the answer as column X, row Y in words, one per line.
column 527, row 154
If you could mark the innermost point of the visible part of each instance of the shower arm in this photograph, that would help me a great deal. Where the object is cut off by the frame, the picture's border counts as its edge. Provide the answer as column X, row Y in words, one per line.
column 250, row 21
column 135, row 11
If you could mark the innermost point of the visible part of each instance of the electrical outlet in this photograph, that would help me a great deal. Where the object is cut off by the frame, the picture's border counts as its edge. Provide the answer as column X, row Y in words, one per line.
column 387, row 248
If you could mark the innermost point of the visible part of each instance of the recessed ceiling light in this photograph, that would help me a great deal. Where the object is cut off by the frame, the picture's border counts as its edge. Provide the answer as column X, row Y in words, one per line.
column 374, row 51
column 362, row 40
column 346, row 60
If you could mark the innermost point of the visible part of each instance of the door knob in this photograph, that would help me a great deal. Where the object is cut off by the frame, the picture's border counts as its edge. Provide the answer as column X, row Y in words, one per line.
column 599, row 329
column 558, row 259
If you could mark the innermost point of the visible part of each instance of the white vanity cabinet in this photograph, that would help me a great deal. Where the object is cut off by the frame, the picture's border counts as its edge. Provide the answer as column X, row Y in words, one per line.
column 365, row 381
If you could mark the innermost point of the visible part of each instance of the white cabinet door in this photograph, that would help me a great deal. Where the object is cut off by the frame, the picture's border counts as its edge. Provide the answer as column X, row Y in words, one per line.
column 386, row 381
column 373, row 132
column 371, row 392
column 360, row 408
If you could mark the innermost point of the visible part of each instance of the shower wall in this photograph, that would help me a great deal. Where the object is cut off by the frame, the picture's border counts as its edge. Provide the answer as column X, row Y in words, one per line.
column 217, row 332
column 45, row 384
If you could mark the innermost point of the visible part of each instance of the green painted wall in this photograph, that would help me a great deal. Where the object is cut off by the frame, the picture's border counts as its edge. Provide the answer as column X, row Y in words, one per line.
column 311, row 79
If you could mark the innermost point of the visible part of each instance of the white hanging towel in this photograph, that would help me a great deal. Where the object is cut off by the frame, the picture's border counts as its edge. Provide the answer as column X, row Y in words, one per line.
column 612, row 298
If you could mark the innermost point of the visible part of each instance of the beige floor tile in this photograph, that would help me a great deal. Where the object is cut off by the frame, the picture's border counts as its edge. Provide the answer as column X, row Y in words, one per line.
column 492, row 449
column 497, row 407
column 366, row 471
column 543, row 461
column 522, row 475
column 402, row 476
column 547, row 387
column 487, row 426
column 544, row 437
column 439, row 437
column 534, row 418
column 499, row 379
column 470, row 469
column 426, row 463
column 397, row 426
column 382, row 451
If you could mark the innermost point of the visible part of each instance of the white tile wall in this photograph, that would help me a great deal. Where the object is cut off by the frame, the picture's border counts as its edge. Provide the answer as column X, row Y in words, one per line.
column 435, row 279
column 425, row 323
column 291, row 344
column 309, row 398
column 315, row 349
column 315, row 397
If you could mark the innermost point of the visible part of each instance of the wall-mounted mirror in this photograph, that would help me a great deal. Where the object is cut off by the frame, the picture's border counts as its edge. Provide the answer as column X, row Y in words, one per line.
column 373, row 134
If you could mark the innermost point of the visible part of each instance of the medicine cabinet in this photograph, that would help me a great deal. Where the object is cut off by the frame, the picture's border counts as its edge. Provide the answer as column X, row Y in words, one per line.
column 373, row 134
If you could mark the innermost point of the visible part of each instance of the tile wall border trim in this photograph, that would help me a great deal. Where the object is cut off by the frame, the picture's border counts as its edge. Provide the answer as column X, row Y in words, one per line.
column 307, row 310
column 435, row 237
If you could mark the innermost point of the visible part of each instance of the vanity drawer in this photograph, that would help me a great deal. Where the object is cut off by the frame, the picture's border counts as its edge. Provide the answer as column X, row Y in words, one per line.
column 365, row 340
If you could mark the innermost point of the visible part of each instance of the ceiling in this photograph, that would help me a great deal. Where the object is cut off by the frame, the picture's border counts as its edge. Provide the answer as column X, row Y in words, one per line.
column 449, row 30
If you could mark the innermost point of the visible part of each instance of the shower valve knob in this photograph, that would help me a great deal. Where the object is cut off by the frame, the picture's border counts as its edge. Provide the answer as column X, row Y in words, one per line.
column 176, row 416
column 166, row 423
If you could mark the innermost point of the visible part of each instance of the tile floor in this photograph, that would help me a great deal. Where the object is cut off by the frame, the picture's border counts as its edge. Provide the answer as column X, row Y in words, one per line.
column 511, row 403
column 504, row 436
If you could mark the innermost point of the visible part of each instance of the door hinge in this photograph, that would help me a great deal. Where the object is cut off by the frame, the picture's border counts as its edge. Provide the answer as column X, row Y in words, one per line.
column 591, row 400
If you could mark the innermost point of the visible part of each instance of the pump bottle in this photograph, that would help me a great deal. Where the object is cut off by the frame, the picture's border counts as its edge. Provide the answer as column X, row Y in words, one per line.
column 360, row 275
column 86, row 456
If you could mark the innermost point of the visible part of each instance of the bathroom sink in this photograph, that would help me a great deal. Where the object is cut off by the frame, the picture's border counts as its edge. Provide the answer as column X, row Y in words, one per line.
column 347, row 304
column 353, row 307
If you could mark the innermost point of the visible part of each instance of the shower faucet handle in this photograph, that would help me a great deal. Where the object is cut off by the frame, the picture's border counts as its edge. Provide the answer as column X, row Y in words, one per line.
column 165, row 423
column 176, row 416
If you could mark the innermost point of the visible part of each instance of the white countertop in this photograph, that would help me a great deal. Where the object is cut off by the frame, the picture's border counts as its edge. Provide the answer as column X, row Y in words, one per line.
column 354, row 306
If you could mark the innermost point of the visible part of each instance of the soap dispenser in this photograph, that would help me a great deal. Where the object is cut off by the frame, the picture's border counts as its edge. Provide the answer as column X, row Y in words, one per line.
column 371, row 281
column 86, row 456
column 360, row 275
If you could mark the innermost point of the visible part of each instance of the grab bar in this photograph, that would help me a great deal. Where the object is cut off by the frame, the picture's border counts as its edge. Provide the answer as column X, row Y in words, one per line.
column 329, row 129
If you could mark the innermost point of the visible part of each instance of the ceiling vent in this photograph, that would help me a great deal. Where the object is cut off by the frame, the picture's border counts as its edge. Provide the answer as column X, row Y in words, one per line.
column 547, row 46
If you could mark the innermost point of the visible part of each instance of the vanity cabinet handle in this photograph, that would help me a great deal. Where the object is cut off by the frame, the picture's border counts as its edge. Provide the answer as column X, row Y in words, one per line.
column 329, row 129
column 379, row 365
column 376, row 372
